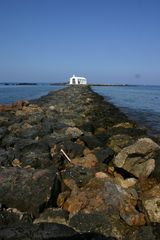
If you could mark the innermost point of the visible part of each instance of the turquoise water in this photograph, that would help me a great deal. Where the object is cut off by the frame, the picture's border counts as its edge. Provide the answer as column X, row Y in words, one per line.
column 140, row 103
column 12, row 93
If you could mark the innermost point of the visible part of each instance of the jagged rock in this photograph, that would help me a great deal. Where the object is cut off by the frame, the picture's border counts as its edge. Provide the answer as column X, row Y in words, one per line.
column 138, row 158
column 28, row 189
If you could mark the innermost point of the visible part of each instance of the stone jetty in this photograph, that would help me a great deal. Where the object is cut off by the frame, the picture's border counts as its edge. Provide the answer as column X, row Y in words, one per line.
column 73, row 166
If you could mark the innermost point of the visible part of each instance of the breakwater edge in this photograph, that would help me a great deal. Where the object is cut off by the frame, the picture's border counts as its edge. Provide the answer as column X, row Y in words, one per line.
column 73, row 166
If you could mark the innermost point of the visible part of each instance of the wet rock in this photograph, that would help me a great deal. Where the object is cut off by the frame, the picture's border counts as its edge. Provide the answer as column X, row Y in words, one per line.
column 138, row 158
column 18, row 186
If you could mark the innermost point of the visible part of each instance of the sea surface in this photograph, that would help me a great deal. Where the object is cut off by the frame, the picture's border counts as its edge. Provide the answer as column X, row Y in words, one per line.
column 140, row 103
column 11, row 93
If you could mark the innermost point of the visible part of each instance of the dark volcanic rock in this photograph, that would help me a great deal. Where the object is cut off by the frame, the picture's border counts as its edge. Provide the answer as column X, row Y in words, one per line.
column 27, row 189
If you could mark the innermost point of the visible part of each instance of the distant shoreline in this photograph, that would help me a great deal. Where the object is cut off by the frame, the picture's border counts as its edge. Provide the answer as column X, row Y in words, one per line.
column 60, row 84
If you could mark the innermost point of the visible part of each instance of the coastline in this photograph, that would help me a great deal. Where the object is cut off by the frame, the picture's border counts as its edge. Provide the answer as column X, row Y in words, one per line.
column 95, row 187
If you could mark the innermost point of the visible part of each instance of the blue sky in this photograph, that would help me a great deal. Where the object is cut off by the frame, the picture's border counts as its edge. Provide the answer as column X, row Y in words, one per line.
column 108, row 41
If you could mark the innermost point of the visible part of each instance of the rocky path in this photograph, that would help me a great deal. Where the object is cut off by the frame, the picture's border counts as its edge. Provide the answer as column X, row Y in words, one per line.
column 72, row 166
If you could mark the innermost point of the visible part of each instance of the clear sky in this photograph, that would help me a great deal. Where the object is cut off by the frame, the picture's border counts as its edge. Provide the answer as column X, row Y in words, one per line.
column 107, row 41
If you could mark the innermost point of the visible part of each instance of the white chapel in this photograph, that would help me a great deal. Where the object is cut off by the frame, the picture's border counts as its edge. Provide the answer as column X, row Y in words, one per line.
column 74, row 80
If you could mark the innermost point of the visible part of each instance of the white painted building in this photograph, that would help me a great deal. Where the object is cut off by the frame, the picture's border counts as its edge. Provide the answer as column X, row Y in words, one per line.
column 77, row 80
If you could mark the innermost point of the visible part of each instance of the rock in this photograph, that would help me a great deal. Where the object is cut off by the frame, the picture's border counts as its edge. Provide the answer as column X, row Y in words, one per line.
column 35, row 154
column 53, row 215
column 6, row 157
column 104, row 195
column 18, row 186
column 100, row 130
column 88, row 127
column 80, row 174
column 99, row 223
column 88, row 161
column 104, row 155
column 70, row 148
column 124, row 125
column 151, row 203
column 145, row 232
column 43, row 231
column 12, row 215
column 119, row 141
column 3, row 132
column 91, row 141
column 138, row 158
column 73, row 132
column 125, row 183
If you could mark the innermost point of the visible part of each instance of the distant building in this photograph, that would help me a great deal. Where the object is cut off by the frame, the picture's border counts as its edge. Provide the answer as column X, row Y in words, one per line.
column 77, row 80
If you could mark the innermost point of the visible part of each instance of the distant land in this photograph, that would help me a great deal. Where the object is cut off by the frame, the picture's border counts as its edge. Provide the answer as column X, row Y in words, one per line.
column 58, row 84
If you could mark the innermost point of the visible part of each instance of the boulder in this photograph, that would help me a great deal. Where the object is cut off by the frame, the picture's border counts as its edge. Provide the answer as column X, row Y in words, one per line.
column 138, row 158
column 28, row 189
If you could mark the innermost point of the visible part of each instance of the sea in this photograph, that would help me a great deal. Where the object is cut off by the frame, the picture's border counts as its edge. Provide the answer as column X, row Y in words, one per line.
column 140, row 103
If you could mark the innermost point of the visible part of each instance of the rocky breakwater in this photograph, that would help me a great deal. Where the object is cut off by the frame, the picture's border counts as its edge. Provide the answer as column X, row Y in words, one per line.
column 72, row 166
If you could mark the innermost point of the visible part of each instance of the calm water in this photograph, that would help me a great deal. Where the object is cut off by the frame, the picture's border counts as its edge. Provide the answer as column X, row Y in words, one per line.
column 12, row 93
column 141, row 103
